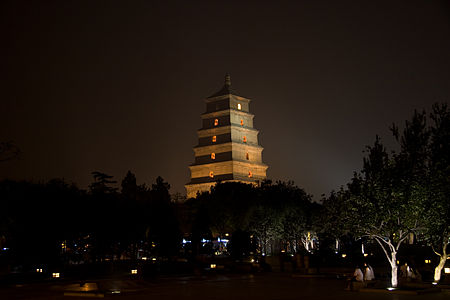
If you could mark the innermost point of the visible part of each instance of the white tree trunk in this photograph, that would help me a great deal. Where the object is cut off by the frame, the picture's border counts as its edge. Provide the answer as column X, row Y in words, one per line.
column 391, row 254
column 438, row 269
column 393, row 261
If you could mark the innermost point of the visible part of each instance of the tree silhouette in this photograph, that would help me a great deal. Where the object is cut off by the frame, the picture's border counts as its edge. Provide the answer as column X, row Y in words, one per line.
column 435, row 189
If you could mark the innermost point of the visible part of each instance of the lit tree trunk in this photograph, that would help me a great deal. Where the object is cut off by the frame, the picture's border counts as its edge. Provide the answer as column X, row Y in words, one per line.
column 442, row 260
column 438, row 269
column 391, row 255
column 394, row 280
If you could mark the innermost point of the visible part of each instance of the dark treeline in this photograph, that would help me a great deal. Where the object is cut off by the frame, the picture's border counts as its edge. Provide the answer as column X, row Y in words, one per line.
column 54, row 222
column 264, row 219
column 397, row 198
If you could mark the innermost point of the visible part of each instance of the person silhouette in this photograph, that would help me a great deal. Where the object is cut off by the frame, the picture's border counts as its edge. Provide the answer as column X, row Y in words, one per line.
column 368, row 272
column 357, row 276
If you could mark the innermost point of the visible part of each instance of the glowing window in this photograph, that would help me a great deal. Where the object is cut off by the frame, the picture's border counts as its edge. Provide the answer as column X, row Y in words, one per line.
column 246, row 156
column 242, row 122
column 213, row 155
column 250, row 174
column 211, row 174
column 216, row 122
column 245, row 139
column 239, row 106
column 214, row 139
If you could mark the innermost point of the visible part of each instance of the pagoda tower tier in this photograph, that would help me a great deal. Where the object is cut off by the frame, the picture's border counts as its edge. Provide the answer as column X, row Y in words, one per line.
column 228, row 148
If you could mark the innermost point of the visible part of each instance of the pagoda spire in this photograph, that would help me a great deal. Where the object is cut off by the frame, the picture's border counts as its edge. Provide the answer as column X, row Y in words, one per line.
column 226, row 89
column 227, row 80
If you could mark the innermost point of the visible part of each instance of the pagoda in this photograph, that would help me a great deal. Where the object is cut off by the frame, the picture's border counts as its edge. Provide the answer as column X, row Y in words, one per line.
column 228, row 148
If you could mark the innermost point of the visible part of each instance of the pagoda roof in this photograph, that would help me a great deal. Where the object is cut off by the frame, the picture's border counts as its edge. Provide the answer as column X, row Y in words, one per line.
column 226, row 89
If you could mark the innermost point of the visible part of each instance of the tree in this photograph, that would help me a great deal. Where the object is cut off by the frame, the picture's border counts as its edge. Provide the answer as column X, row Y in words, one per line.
column 103, row 214
column 437, row 190
column 164, row 227
column 282, row 212
column 381, row 205
column 129, row 186
column 335, row 218
column 425, row 150
column 265, row 223
column 101, row 184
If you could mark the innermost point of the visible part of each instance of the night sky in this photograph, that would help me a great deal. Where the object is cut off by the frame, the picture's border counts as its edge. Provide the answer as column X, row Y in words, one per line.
column 114, row 86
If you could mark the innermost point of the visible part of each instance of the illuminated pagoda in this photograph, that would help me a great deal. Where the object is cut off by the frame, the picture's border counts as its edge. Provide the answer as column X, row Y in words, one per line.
column 228, row 149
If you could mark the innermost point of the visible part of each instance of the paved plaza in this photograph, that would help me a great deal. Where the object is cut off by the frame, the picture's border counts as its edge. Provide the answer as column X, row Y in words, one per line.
column 274, row 286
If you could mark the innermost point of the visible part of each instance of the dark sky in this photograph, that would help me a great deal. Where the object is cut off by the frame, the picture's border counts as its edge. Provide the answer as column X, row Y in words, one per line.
column 116, row 86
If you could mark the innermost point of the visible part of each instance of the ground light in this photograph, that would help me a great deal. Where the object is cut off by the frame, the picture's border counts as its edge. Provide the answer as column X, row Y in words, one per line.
column 391, row 288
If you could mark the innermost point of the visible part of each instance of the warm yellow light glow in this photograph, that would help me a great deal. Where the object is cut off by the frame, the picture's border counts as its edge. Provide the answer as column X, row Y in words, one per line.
column 427, row 261
column 227, row 234
column 282, row 251
column 39, row 270
column 344, row 255
column 242, row 122
column 216, row 122
column 245, row 139
column 144, row 258
column 154, row 258
column 134, row 271
column 213, row 155
column 214, row 139
column 213, row 266
column 447, row 270
column 211, row 174
column 365, row 254
column 239, row 106
column 398, row 262
column 55, row 275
